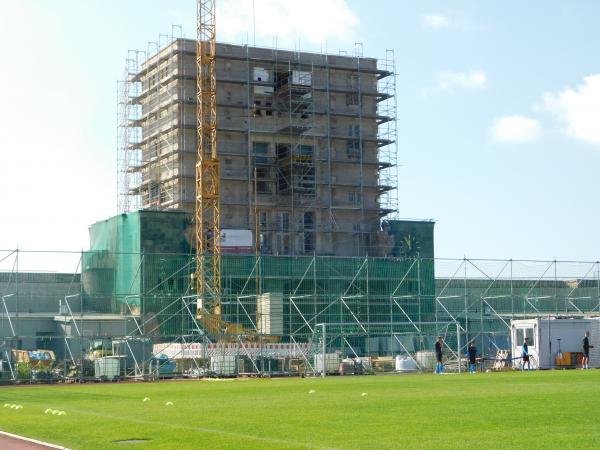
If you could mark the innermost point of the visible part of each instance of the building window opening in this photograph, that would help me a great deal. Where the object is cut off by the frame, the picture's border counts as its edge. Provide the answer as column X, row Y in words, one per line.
column 353, row 149
column 284, row 221
column 309, row 220
column 309, row 242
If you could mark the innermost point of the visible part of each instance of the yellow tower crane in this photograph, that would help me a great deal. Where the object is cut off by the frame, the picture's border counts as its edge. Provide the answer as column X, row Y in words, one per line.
column 207, row 218
column 208, row 182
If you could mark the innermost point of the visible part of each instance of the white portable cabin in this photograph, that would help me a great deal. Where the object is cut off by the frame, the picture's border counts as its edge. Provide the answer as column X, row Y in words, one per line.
column 544, row 334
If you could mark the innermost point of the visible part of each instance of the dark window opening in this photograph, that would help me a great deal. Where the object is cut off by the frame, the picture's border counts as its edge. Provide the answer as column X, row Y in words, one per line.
column 309, row 220
column 353, row 149
column 309, row 243
column 262, row 219
column 284, row 221
column 261, row 147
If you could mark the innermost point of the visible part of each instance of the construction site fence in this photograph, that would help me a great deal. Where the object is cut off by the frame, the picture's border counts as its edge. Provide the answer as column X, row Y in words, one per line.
column 273, row 310
column 345, row 350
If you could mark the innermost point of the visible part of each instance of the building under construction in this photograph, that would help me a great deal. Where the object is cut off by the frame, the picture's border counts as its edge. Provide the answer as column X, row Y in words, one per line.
column 307, row 145
column 324, row 278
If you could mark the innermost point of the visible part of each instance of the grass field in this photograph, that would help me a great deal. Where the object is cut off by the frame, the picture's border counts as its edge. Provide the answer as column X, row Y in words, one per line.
column 558, row 409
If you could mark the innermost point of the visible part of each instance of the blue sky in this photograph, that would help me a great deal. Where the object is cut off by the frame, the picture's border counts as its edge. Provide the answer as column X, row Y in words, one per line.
column 498, row 109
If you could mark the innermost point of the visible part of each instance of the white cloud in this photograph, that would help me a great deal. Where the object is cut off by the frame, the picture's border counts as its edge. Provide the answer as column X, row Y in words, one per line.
column 578, row 110
column 455, row 21
column 286, row 20
column 436, row 21
column 516, row 129
column 473, row 79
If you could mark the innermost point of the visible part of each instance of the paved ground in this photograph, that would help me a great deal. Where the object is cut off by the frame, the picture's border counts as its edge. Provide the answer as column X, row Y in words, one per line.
column 10, row 443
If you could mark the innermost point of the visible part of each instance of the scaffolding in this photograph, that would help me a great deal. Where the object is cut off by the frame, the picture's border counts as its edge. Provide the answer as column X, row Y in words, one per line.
column 387, row 136
column 129, row 134
column 307, row 144
column 156, row 108
column 283, row 313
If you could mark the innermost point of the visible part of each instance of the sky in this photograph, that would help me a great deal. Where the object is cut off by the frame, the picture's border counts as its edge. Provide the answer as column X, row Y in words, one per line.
column 498, row 111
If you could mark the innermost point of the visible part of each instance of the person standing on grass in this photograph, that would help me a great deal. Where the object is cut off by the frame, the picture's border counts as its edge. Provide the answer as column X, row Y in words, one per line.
column 472, row 353
column 525, row 355
column 439, row 345
column 586, row 351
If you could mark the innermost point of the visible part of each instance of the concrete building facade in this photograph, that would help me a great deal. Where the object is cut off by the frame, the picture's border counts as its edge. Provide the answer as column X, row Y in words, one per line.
column 306, row 144
column 34, row 314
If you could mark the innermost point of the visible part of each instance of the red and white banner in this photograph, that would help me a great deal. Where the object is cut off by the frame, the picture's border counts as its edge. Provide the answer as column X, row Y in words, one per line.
column 177, row 350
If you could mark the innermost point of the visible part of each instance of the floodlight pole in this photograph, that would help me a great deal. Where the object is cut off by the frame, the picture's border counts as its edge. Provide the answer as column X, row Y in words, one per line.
column 458, row 346
column 323, row 348
column 12, row 373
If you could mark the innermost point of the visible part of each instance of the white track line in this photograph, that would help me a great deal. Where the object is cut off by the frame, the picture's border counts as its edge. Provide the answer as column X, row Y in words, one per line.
column 34, row 441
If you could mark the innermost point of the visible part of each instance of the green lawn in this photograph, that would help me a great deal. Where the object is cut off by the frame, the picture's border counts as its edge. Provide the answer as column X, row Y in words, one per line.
column 558, row 409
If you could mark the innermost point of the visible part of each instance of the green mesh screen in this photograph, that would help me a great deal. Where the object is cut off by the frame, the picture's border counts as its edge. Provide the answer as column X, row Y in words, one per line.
column 111, row 269
column 143, row 262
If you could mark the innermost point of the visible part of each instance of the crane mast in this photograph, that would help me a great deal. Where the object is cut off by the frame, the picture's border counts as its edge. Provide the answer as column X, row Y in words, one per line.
column 207, row 214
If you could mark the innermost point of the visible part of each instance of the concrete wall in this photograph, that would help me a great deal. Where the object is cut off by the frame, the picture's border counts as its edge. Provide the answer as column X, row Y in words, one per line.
column 51, row 332
column 38, row 292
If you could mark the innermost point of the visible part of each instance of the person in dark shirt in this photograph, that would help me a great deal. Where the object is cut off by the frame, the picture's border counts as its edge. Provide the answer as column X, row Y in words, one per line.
column 586, row 351
column 472, row 354
column 439, row 345
column 525, row 355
